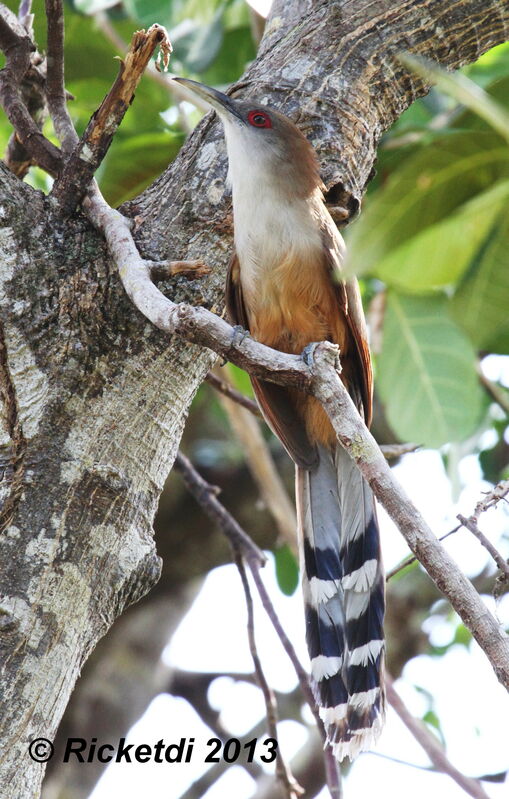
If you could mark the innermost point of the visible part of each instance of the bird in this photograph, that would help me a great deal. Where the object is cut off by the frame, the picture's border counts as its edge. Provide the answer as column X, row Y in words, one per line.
column 285, row 286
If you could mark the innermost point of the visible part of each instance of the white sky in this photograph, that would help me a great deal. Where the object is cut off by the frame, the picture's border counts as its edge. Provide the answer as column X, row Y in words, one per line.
column 262, row 6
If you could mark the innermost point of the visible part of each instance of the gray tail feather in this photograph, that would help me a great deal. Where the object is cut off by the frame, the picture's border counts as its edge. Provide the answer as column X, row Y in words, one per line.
column 343, row 586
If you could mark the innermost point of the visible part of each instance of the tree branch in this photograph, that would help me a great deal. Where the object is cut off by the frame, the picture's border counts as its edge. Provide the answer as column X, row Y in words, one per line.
column 55, row 83
column 17, row 51
column 431, row 746
column 78, row 172
column 290, row 785
column 205, row 495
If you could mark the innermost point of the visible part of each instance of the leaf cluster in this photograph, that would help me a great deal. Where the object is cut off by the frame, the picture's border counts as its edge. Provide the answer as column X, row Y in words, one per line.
column 433, row 239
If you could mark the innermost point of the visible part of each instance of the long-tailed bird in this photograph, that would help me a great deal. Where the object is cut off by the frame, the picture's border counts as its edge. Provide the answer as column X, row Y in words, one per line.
column 285, row 286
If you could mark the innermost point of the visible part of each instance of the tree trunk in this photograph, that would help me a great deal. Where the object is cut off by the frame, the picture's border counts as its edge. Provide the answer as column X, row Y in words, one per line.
column 94, row 399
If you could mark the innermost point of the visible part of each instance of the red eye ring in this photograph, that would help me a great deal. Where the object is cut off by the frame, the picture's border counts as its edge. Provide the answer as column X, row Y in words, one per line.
column 259, row 119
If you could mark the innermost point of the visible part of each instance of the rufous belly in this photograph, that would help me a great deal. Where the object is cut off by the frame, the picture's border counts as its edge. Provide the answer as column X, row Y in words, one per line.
column 295, row 304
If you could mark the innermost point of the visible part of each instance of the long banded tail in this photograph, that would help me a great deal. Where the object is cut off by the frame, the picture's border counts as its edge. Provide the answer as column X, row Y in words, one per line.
column 343, row 586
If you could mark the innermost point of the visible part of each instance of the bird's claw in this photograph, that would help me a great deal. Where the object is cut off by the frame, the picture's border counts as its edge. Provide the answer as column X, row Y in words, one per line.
column 238, row 336
column 308, row 353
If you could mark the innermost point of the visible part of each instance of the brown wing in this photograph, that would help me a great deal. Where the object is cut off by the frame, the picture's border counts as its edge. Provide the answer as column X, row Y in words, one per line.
column 350, row 302
column 275, row 401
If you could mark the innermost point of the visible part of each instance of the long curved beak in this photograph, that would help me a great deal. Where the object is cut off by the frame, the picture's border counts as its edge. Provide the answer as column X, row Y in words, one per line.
column 221, row 103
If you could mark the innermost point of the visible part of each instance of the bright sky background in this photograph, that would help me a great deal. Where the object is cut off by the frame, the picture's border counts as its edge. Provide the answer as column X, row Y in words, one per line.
column 262, row 6
column 471, row 705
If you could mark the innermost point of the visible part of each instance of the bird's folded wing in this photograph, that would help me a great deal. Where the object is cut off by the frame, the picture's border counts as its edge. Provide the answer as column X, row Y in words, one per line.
column 349, row 299
column 275, row 401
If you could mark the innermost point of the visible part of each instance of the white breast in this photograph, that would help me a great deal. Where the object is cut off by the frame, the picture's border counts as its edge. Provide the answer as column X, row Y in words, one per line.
column 268, row 226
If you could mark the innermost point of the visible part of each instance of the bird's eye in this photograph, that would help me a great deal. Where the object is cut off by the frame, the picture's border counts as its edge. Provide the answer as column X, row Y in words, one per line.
column 259, row 119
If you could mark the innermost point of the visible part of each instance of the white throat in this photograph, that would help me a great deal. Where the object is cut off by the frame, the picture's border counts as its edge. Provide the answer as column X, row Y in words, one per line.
column 269, row 225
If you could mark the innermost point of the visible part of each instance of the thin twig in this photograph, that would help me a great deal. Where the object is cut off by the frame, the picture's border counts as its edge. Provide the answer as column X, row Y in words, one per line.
column 225, row 388
column 32, row 89
column 291, row 787
column 393, row 451
column 206, row 496
column 494, row 496
column 412, row 559
column 471, row 525
column 77, row 174
column 55, row 83
column 497, row 393
column 431, row 745
column 18, row 50
column 491, row 498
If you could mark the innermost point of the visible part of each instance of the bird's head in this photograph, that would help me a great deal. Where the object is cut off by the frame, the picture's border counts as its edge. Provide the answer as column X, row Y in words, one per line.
column 261, row 139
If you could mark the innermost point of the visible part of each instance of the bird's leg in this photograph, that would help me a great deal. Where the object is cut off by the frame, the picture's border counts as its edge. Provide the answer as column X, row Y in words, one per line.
column 308, row 353
column 239, row 334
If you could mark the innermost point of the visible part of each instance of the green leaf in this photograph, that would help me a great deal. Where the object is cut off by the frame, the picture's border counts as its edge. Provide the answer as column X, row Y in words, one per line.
column 132, row 164
column 441, row 253
column 430, row 186
column 287, row 571
column 240, row 379
column 462, row 636
column 426, row 372
column 205, row 44
column 462, row 89
column 432, row 719
column 147, row 12
column 491, row 66
column 236, row 50
column 481, row 303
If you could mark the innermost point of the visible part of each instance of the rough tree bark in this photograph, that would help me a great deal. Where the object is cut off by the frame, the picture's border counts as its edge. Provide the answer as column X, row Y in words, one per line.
column 94, row 399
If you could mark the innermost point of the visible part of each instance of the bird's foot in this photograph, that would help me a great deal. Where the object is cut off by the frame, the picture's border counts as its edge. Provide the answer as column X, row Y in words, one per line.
column 238, row 335
column 308, row 353
column 317, row 350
